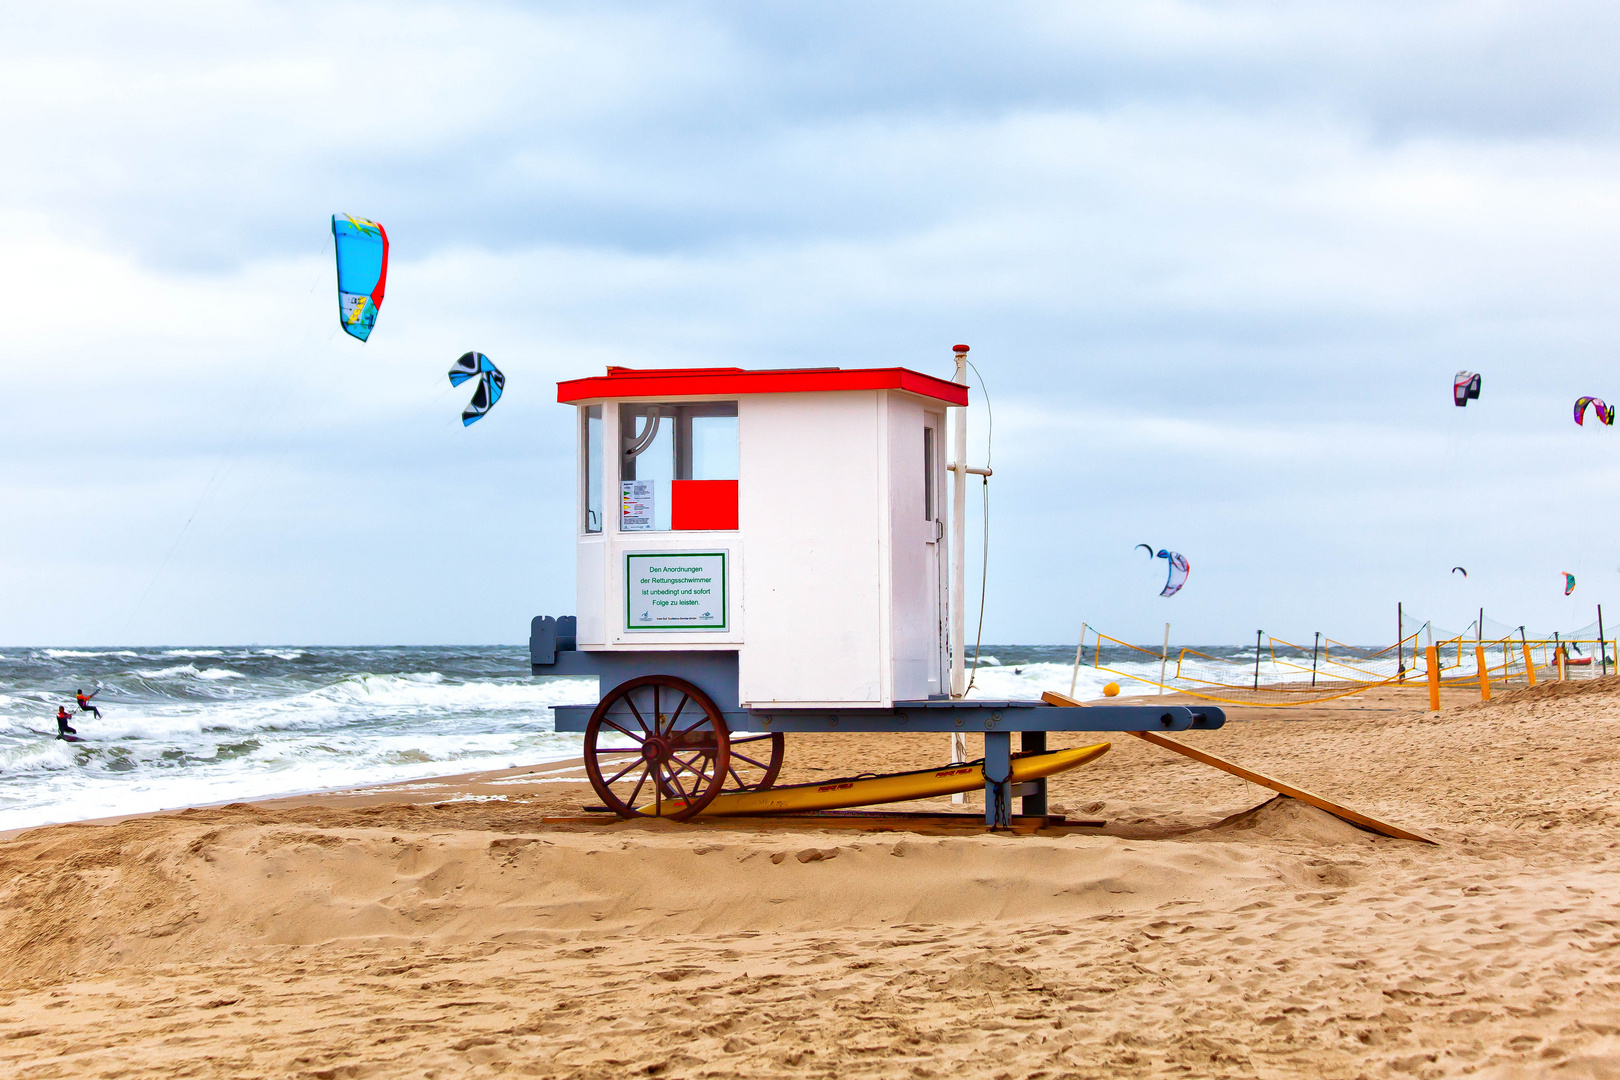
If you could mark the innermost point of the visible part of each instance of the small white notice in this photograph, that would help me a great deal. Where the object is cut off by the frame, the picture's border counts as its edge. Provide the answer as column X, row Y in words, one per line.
column 636, row 505
column 684, row 591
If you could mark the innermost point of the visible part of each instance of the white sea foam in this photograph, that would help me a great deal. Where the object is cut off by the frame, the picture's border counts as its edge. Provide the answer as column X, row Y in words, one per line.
column 193, row 652
column 430, row 690
column 1029, row 680
column 63, row 654
column 190, row 671
column 280, row 655
column 47, row 755
column 77, row 794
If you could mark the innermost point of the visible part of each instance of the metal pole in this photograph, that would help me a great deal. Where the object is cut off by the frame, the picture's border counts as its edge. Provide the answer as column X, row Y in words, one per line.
column 1257, row 634
column 1479, row 639
column 1164, row 655
column 1314, row 645
column 1079, row 654
column 959, row 535
column 1400, row 641
column 958, row 597
column 1603, row 650
column 1034, row 742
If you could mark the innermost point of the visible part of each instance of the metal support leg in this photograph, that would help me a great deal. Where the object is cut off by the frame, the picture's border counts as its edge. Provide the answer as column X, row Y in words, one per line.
column 958, row 753
column 1034, row 742
column 998, row 779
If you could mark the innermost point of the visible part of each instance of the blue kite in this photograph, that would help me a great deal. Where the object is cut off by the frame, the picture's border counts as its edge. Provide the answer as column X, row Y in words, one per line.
column 362, row 271
column 475, row 365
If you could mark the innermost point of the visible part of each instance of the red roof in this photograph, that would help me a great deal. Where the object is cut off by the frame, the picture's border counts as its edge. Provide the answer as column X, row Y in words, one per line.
column 622, row 382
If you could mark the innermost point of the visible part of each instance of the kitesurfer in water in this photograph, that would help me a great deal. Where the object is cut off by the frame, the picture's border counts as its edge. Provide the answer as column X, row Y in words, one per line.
column 84, row 703
column 63, row 728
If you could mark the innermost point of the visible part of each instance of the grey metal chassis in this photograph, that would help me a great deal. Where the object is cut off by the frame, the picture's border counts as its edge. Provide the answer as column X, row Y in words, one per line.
column 551, row 652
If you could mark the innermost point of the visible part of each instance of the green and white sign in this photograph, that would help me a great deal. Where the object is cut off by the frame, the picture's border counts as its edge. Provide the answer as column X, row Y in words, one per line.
column 679, row 591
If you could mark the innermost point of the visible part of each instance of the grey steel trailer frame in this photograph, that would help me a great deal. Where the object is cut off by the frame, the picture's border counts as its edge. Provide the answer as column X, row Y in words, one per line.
column 552, row 652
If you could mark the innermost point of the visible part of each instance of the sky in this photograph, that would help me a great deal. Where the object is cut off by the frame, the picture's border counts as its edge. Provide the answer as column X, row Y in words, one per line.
column 1217, row 263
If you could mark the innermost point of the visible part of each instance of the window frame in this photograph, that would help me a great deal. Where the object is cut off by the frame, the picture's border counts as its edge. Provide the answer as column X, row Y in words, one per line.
column 681, row 415
column 587, row 484
column 930, row 464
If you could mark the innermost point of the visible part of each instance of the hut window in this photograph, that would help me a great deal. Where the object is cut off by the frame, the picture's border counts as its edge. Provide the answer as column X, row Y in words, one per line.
column 678, row 466
column 928, row 474
column 591, row 455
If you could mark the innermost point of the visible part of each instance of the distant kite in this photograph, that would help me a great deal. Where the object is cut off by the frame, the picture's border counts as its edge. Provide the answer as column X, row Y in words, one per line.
column 1569, row 582
column 1604, row 412
column 1459, row 570
column 475, row 365
column 1465, row 388
column 1147, row 548
column 1178, row 571
column 362, row 271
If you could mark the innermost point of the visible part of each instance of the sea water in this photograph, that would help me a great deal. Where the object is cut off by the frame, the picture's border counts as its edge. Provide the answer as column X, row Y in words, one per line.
column 198, row 726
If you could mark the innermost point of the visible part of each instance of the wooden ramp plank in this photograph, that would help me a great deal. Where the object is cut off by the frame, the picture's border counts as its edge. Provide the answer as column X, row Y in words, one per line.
column 1355, row 817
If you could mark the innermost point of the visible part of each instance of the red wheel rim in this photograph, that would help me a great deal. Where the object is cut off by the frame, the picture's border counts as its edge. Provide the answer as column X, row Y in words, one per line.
column 755, row 762
column 656, row 746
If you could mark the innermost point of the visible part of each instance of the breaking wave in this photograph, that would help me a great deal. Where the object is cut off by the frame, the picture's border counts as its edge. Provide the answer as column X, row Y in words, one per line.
column 262, row 721
column 66, row 653
column 191, row 671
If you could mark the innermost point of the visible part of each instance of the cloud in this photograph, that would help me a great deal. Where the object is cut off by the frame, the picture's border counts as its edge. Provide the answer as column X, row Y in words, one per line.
column 1218, row 262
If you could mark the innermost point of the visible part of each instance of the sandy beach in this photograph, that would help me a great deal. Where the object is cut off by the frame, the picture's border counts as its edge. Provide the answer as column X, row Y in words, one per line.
column 445, row 929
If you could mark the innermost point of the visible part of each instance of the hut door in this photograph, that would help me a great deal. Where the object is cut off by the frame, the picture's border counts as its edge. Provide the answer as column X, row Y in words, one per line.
column 933, row 488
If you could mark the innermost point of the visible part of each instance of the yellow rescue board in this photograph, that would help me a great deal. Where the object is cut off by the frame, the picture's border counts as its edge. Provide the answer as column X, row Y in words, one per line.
column 897, row 787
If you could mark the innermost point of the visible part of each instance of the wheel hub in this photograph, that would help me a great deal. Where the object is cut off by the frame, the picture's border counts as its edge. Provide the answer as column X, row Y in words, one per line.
column 656, row 749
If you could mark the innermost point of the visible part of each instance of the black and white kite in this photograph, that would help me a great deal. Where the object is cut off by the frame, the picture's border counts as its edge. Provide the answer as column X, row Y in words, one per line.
column 475, row 365
column 1465, row 387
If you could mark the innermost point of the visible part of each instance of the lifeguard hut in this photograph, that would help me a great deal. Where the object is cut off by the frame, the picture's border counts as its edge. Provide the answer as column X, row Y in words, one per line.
column 765, row 552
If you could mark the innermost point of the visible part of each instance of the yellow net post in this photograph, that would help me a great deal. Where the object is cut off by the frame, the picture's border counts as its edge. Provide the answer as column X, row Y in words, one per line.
column 1484, row 676
column 1434, row 678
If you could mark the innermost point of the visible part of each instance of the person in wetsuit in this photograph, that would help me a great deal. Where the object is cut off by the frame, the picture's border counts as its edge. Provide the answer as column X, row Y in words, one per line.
column 63, row 728
column 84, row 703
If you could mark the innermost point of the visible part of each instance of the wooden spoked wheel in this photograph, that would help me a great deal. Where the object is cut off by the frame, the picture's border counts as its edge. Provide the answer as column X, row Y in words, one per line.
column 656, row 746
column 755, row 761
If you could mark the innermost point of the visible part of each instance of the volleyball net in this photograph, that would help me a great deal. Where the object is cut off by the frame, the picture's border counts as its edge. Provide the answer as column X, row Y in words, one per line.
column 1280, row 673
